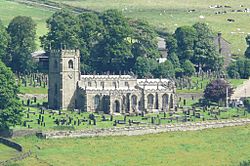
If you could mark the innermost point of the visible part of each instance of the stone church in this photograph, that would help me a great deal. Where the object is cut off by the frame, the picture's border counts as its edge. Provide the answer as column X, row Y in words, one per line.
column 110, row 94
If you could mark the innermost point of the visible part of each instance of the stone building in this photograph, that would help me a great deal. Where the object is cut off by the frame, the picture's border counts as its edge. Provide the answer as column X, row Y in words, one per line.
column 224, row 48
column 68, row 89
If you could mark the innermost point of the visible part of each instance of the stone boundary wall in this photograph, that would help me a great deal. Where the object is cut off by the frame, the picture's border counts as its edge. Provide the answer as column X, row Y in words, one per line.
column 18, row 158
column 189, row 95
column 141, row 130
column 11, row 144
column 18, row 133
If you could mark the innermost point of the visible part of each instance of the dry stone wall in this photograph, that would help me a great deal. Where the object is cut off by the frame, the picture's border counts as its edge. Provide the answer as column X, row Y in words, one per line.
column 141, row 130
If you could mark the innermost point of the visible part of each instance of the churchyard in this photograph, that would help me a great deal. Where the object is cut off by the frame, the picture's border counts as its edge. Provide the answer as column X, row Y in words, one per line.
column 37, row 116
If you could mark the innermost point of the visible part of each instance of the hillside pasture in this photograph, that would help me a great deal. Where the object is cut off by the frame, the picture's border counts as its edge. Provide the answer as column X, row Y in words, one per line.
column 224, row 146
column 9, row 10
column 174, row 13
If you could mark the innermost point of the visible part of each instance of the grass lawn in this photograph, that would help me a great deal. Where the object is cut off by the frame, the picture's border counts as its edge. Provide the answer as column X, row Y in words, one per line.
column 200, row 84
column 31, row 118
column 33, row 90
column 173, row 13
column 224, row 146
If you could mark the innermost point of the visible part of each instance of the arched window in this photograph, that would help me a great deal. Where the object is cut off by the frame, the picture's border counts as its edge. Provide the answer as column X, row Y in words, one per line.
column 165, row 101
column 134, row 100
column 70, row 63
column 115, row 85
column 89, row 83
column 102, row 85
column 97, row 101
column 150, row 101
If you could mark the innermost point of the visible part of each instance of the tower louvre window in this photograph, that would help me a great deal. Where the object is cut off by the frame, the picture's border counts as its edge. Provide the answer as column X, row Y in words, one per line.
column 70, row 64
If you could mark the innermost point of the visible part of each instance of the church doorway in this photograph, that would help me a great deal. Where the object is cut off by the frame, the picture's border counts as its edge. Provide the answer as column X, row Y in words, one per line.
column 150, row 101
column 97, row 101
column 106, row 104
column 116, row 106
column 134, row 102
column 165, row 102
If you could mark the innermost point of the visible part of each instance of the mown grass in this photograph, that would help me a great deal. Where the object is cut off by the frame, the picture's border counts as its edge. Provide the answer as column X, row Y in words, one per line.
column 202, row 83
column 225, row 146
column 33, row 90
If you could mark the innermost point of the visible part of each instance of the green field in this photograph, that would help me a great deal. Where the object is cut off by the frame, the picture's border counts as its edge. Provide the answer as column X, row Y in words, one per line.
column 226, row 146
column 9, row 10
column 173, row 13
column 6, row 152
column 160, row 13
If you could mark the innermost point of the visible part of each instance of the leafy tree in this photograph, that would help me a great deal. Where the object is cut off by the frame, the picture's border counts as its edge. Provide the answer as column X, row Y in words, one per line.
column 165, row 70
column 144, row 39
column 22, row 31
column 239, row 68
column 4, row 41
column 10, row 109
column 232, row 70
column 188, row 68
column 113, row 52
column 63, row 31
column 90, row 33
column 185, row 37
column 245, row 163
column 216, row 90
column 247, row 52
column 205, row 54
column 247, row 104
column 171, row 46
column 144, row 67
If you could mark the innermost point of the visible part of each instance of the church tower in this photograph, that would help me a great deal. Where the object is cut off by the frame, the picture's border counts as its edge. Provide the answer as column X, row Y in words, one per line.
column 64, row 73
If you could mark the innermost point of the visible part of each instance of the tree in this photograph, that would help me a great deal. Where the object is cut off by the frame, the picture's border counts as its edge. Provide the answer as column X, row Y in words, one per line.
column 10, row 109
column 232, row 70
column 164, row 70
column 205, row 54
column 90, row 32
column 22, row 31
column 144, row 67
column 4, row 41
column 239, row 68
column 63, row 31
column 171, row 46
column 216, row 90
column 247, row 52
column 113, row 52
column 144, row 39
column 185, row 37
column 188, row 68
